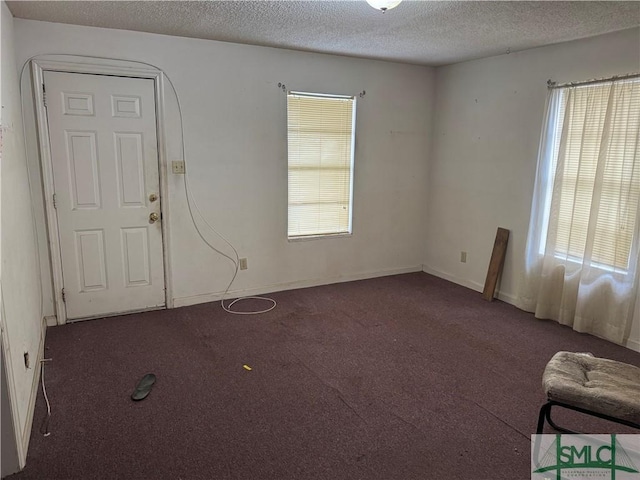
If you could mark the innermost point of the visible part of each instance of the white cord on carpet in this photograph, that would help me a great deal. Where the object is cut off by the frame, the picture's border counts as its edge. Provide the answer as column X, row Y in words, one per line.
column 44, row 427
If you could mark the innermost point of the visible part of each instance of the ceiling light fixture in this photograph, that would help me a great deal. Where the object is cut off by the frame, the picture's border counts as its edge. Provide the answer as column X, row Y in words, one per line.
column 384, row 5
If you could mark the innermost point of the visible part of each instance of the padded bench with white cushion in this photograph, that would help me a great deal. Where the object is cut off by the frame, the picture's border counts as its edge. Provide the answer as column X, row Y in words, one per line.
column 595, row 386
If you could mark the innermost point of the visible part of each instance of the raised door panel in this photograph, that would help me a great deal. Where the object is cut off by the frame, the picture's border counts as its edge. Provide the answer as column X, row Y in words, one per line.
column 126, row 106
column 135, row 256
column 130, row 166
column 77, row 103
column 91, row 264
column 82, row 161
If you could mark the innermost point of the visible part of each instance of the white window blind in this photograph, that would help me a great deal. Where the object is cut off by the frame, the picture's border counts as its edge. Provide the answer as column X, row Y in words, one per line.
column 598, row 180
column 320, row 150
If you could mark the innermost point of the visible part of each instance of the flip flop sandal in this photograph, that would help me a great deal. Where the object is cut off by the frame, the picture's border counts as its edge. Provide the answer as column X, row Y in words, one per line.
column 144, row 387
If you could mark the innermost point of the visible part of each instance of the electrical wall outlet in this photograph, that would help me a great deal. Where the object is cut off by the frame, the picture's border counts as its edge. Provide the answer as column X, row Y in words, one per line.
column 177, row 167
column 463, row 257
column 243, row 264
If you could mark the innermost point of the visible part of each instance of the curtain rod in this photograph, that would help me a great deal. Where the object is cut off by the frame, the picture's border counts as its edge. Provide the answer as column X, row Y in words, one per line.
column 552, row 84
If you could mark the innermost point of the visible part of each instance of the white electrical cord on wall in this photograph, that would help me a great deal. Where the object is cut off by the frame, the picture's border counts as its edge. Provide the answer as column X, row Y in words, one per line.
column 191, row 201
column 44, row 428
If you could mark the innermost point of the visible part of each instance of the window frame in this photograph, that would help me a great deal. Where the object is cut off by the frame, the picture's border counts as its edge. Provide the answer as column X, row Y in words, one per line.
column 337, row 234
column 557, row 118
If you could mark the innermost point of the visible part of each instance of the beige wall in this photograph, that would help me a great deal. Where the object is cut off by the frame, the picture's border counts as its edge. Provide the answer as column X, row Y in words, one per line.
column 488, row 118
column 22, row 321
column 417, row 202
column 235, row 127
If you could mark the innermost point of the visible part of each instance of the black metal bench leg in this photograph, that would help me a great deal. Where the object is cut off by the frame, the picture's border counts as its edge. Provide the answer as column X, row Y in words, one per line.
column 545, row 413
column 541, row 417
column 553, row 424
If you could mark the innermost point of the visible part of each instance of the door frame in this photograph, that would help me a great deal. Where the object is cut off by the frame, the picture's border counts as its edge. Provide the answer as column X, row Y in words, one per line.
column 109, row 68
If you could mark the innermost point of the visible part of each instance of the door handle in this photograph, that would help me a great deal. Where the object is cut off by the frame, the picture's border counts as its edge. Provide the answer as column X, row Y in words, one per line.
column 153, row 217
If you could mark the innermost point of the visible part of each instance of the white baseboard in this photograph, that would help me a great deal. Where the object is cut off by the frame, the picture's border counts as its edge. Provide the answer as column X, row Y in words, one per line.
column 278, row 287
column 51, row 320
column 478, row 287
column 26, row 434
column 633, row 345
column 506, row 297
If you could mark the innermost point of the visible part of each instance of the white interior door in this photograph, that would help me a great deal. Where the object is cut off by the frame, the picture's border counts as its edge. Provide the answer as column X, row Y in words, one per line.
column 104, row 154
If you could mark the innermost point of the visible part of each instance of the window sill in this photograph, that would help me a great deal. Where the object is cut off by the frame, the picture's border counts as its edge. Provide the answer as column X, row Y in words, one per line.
column 318, row 237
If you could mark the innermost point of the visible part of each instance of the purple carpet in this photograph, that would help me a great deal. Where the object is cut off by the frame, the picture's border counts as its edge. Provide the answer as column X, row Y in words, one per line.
column 402, row 377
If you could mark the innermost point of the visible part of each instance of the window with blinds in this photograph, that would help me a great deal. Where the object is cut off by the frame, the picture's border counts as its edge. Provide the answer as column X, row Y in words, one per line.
column 596, row 144
column 320, row 150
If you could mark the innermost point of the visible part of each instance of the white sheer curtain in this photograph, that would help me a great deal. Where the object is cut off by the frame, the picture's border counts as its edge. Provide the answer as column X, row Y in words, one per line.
column 582, row 247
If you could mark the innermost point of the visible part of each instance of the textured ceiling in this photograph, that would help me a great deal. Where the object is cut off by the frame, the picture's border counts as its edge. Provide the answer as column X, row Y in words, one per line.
column 420, row 32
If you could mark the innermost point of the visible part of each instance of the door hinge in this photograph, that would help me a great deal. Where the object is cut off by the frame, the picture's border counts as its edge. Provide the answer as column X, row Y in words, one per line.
column 55, row 201
column 44, row 95
column 64, row 296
